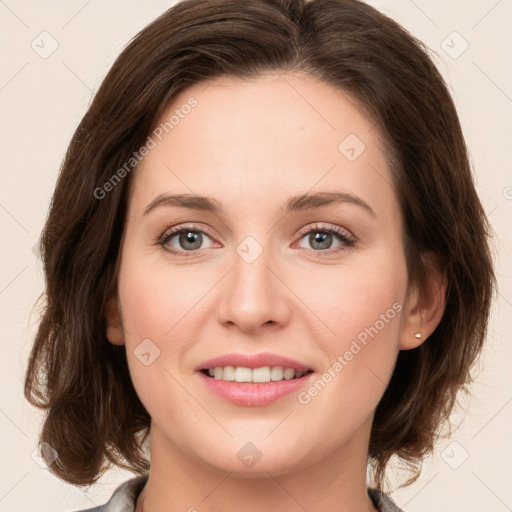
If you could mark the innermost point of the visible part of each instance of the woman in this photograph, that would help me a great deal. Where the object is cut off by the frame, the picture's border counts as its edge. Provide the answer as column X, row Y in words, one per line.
column 265, row 254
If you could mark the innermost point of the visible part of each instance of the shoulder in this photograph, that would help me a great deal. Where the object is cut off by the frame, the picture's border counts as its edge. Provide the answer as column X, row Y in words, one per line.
column 383, row 502
column 124, row 497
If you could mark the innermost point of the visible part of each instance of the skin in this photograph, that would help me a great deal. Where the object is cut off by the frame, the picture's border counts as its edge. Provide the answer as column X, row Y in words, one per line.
column 250, row 145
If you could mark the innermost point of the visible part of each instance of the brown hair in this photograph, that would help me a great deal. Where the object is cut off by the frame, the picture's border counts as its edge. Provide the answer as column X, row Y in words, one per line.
column 93, row 414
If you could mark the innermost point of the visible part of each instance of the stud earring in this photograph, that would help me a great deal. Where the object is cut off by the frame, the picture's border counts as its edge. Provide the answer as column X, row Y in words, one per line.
column 418, row 335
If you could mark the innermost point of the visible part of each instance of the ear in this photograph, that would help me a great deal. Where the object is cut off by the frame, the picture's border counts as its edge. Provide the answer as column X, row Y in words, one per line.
column 115, row 332
column 425, row 305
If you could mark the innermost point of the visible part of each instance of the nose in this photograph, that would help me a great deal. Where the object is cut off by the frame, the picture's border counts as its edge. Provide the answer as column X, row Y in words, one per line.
column 254, row 296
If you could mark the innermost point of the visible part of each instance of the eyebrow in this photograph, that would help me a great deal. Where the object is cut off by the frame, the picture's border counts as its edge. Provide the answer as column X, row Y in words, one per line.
column 293, row 204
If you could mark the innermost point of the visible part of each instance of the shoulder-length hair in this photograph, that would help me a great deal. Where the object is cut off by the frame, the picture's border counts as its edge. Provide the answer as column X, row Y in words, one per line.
column 93, row 414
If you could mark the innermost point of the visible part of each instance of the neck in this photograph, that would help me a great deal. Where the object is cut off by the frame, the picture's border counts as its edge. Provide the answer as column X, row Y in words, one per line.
column 178, row 481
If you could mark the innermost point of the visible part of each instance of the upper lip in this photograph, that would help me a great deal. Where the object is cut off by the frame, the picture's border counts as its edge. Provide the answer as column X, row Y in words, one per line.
column 253, row 361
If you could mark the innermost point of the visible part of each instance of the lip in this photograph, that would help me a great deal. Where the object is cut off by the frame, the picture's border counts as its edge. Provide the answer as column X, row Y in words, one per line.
column 257, row 394
column 253, row 361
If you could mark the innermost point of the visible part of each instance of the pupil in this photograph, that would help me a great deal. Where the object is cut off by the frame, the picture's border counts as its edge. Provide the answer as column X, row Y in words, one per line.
column 190, row 237
column 321, row 238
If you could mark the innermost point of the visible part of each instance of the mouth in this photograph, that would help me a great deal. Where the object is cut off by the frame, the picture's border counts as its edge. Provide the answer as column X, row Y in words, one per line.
column 251, row 387
column 254, row 379
column 261, row 375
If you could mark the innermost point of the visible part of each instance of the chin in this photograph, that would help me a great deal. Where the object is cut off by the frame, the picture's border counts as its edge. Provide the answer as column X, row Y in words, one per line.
column 257, row 460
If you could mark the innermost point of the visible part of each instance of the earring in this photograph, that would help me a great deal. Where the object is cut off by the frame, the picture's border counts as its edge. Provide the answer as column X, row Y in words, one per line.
column 418, row 335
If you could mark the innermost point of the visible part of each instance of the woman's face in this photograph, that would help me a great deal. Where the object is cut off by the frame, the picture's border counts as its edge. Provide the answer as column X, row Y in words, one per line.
column 264, row 273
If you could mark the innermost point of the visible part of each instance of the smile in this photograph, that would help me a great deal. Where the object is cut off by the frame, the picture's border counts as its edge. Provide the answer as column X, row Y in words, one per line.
column 250, row 392
column 255, row 375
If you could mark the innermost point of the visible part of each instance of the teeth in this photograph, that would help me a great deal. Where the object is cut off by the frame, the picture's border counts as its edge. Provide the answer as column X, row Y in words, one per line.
column 263, row 374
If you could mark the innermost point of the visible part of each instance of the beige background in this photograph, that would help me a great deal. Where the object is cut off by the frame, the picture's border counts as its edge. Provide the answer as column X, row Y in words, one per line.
column 42, row 100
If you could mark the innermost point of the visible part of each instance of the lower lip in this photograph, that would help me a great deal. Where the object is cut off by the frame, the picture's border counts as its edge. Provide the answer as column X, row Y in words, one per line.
column 249, row 394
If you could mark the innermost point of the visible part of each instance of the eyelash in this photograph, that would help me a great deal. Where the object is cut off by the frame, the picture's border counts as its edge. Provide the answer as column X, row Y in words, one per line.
column 344, row 236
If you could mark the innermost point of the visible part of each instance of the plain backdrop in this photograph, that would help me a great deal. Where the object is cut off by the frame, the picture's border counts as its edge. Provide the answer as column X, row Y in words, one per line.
column 45, row 88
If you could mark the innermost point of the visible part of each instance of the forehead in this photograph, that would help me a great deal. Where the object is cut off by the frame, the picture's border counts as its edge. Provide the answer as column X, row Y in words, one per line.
column 249, row 139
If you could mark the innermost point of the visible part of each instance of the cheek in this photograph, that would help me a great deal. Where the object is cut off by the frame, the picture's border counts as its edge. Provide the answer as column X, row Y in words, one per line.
column 361, row 305
column 348, row 299
column 158, row 299
column 157, row 308
column 360, row 309
column 161, row 303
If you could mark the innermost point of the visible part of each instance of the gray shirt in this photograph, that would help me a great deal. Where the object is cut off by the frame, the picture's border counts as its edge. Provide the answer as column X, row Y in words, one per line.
column 125, row 497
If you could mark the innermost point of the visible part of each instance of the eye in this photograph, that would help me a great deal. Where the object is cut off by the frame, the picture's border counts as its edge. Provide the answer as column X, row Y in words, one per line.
column 321, row 238
column 187, row 241
column 184, row 239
